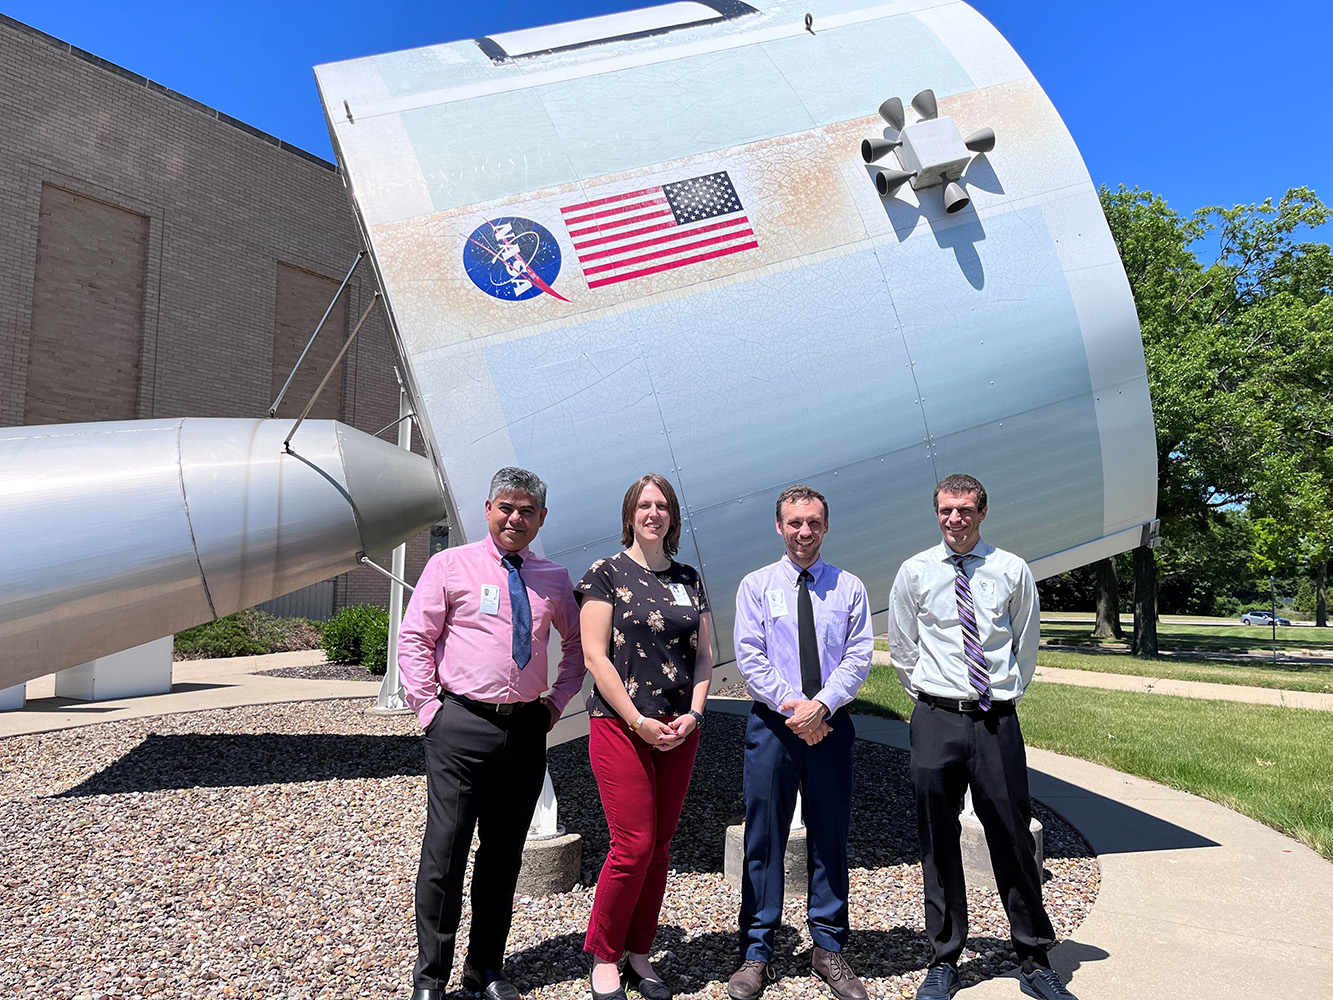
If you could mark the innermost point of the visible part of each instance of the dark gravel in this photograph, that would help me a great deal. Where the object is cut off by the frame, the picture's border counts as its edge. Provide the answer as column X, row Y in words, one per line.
column 270, row 851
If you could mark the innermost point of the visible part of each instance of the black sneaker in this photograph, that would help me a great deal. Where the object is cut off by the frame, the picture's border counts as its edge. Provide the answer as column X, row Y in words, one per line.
column 1044, row 985
column 941, row 983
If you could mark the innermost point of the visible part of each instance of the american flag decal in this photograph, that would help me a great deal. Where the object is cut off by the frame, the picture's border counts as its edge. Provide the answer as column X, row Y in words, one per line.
column 657, row 229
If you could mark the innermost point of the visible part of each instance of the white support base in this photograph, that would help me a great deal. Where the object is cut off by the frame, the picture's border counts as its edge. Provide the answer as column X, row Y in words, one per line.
column 13, row 698
column 132, row 672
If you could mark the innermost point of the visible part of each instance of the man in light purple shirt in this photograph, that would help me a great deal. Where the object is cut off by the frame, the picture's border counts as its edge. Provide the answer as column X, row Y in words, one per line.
column 472, row 656
column 803, row 645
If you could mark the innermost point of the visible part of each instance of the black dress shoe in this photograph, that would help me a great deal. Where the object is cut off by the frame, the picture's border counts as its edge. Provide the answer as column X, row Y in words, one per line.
column 422, row 993
column 490, row 984
column 649, row 989
column 616, row 994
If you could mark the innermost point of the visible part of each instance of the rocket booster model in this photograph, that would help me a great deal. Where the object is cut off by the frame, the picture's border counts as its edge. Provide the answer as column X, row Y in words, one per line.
column 118, row 533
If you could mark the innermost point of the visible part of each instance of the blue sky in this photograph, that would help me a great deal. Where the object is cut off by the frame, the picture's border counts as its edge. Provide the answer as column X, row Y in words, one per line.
column 1203, row 102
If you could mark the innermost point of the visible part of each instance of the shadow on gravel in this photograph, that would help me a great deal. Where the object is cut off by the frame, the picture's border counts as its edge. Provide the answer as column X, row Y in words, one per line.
column 202, row 760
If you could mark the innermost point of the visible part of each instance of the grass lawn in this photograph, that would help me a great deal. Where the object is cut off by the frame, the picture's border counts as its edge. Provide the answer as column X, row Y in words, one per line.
column 1272, row 764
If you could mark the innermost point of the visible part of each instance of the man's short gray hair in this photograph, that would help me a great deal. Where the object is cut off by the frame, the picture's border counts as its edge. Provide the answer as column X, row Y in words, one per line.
column 511, row 478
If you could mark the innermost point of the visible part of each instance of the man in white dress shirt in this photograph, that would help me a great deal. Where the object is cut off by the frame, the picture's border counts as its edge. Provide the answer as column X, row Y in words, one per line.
column 964, row 626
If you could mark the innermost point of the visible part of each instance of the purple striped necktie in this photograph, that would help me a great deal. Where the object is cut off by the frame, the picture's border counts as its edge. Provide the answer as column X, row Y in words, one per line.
column 977, row 671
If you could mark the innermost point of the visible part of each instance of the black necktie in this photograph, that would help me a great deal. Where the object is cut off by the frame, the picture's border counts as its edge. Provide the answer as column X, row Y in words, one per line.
column 811, row 681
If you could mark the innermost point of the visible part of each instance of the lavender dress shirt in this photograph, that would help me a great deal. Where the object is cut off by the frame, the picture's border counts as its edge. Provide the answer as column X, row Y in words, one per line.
column 766, row 641
column 451, row 638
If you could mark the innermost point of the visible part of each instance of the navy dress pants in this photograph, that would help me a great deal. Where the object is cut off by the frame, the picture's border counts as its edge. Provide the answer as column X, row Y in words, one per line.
column 778, row 763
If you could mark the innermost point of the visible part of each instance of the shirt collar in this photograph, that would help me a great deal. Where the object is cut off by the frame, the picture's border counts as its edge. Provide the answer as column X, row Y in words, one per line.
column 981, row 550
column 497, row 553
column 793, row 572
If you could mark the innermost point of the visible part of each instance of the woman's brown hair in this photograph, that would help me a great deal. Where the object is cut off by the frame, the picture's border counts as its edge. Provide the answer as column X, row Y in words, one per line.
column 671, row 543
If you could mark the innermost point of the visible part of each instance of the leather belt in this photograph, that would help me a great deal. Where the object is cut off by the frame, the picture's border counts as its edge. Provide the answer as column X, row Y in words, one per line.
column 968, row 707
column 506, row 709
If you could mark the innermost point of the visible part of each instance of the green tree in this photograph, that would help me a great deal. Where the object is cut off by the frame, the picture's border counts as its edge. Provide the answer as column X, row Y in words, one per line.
column 1236, row 354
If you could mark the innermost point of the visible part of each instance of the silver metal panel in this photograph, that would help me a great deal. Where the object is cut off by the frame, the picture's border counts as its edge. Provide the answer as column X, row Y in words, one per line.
column 97, row 544
column 265, row 522
column 314, row 602
column 866, row 345
column 118, row 533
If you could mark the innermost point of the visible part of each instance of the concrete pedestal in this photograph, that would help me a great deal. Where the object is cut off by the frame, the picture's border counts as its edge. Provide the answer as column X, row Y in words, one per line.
column 550, row 865
column 976, row 855
column 796, row 879
column 12, row 698
column 132, row 672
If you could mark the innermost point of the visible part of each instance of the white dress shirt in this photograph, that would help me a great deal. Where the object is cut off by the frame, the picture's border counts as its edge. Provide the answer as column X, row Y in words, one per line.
column 926, row 638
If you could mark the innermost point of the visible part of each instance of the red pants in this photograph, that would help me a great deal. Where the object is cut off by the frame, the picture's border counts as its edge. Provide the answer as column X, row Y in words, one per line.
column 642, row 794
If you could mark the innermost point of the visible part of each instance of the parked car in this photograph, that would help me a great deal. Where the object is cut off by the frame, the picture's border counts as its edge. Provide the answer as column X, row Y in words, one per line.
column 1262, row 618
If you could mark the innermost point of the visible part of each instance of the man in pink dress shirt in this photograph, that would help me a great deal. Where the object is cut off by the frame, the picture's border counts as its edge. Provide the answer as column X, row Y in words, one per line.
column 472, row 655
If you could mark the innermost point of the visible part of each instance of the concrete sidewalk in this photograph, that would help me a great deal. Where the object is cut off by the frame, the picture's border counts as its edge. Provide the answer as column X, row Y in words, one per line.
column 196, row 686
column 1187, row 689
column 1196, row 901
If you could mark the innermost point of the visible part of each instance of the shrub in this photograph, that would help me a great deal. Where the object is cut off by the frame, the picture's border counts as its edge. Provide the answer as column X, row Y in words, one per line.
column 246, row 633
column 229, row 636
column 358, row 635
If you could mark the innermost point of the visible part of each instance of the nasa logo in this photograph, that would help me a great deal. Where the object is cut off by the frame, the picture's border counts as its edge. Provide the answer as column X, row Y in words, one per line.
column 513, row 259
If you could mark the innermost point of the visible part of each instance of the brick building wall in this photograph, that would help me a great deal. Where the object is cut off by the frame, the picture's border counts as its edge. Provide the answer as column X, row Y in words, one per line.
column 160, row 259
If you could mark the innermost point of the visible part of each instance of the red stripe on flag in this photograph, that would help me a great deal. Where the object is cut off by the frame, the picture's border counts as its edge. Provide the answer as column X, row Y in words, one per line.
column 599, row 254
column 580, row 220
column 752, row 245
column 667, row 251
column 601, row 226
column 610, row 199
column 624, row 236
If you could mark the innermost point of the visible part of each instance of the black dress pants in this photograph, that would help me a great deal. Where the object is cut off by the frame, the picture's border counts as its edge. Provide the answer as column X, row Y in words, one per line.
column 950, row 752
column 484, row 771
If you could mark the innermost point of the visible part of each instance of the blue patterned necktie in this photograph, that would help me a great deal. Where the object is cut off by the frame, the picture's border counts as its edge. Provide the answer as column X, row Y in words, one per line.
column 977, row 671
column 520, row 610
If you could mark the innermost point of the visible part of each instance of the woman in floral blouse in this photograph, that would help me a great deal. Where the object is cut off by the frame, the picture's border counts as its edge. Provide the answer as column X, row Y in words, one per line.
column 647, row 640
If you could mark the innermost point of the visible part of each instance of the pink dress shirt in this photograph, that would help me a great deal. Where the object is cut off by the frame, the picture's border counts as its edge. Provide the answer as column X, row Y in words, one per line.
column 448, row 642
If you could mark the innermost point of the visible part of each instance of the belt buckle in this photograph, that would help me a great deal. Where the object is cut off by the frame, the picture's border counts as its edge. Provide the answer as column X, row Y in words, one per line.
column 506, row 709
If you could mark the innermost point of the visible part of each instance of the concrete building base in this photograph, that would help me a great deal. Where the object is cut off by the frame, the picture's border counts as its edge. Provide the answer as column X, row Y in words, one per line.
column 13, row 698
column 141, row 670
column 550, row 865
column 976, row 855
column 796, row 878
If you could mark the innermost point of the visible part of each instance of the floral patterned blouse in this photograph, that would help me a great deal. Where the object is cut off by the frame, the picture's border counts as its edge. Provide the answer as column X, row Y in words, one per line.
column 654, row 631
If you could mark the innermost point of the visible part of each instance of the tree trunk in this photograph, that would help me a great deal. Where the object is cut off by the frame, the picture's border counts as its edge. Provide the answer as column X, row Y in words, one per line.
column 1108, row 602
column 1320, row 602
column 1145, row 604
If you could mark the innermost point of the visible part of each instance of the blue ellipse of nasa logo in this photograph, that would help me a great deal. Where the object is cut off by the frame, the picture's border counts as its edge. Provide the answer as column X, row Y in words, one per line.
column 512, row 258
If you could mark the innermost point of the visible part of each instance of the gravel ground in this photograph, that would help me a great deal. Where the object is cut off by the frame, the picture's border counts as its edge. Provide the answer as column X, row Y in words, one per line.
column 270, row 852
column 324, row 672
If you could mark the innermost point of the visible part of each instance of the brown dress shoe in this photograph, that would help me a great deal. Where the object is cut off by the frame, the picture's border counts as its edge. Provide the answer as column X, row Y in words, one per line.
column 831, row 967
column 747, row 982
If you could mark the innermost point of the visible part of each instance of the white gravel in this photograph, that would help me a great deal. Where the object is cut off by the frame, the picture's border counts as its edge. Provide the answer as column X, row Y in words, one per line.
column 270, row 852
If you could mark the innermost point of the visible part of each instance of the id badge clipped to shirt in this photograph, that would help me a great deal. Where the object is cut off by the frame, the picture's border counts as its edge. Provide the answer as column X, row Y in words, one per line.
column 777, row 603
column 490, row 599
column 680, row 596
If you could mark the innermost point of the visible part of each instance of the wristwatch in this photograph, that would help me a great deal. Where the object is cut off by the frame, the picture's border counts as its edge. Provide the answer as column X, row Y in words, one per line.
column 698, row 716
column 636, row 724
